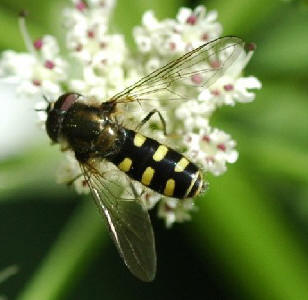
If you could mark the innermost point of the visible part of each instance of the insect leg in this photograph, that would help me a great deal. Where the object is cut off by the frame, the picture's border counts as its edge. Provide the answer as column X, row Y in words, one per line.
column 149, row 116
column 69, row 183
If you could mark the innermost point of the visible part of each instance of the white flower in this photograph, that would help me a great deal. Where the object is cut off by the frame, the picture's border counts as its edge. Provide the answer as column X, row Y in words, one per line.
column 18, row 130
column 69, row 173
column 231, row 88
column 228, row 91
column 212, row 148
column 87, row 25
column 36, row 73
column 148, row 197
column 194, row 114
column 89, row 84
column 174, row 210
column 190, row 29
column 197, row 27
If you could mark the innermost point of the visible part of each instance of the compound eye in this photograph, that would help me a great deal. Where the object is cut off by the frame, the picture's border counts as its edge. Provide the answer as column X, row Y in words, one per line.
column 66, row 101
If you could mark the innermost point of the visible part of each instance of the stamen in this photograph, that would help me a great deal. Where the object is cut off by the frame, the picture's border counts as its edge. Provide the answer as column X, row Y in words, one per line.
column 228, row 87
column 204, row 37
column 36, row 82
column 192, row 19
column 250, row 46
column 215, row 64
column 78, row 48
column 221, row 147
column 172, row 46
column 206, row 138
column 196, row 78
column 38, row 44
column 91, row 34
column 49, row 64
column 24, row 32
column 81, row 5
column 215, row 92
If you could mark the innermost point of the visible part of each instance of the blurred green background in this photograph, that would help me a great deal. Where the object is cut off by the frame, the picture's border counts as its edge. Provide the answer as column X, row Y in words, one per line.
column 249, row 238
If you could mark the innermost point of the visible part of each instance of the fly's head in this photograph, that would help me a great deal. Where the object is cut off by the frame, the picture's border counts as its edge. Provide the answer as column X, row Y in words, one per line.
column 56, row 112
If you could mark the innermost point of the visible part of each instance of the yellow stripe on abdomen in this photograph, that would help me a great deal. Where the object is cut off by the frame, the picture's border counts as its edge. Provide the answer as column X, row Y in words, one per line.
column 160, row 153
column 139, row 140
column 181, row 165
column 125, row 164
column 169, row 188
column 147, row 176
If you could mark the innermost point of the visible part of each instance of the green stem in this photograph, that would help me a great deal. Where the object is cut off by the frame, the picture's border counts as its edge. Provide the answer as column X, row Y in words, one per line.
column 12, row 38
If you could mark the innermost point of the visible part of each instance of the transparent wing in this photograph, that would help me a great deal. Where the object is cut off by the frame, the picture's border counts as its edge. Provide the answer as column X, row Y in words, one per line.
column 199, row 68
column 129, row 224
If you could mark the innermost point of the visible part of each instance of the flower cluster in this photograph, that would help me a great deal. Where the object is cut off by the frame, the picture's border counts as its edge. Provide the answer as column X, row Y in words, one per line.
column 39, row 72
column 213, row 147
column 100, row 56
column 98, row 64
column 160, row 42
column 172, row 37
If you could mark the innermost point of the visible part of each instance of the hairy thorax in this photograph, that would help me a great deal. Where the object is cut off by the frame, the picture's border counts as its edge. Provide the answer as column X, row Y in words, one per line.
column 90, row 132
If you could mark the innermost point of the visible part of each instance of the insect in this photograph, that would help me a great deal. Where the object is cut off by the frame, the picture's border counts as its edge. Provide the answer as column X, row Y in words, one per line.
column 93, row 133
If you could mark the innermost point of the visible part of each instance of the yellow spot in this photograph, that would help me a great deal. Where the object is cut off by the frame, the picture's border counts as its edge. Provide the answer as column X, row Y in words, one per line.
column 169, row 188
column 139, row 140
column 181, row 165
column 192, row 183
column 147, row 176
column 197, row 192
column 125, row 164
column 160, row 153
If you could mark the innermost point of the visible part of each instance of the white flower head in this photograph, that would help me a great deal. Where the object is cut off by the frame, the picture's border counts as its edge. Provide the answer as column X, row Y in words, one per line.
column 170, row 37
column 99, row 64
column 39, row 72
column 212, row 149
column 149, row 198
column 70, row 174
column 194, row 114
column 231, row 87
column 174, row 210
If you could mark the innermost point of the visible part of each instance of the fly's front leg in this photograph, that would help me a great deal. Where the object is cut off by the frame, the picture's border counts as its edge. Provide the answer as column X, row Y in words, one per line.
column 149, row 116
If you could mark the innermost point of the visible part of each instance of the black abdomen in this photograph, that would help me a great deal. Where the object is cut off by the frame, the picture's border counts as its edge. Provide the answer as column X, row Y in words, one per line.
column 157, row 166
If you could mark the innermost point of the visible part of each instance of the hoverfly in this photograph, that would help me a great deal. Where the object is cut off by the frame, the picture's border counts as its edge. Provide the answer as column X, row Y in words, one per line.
column 93, row 133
